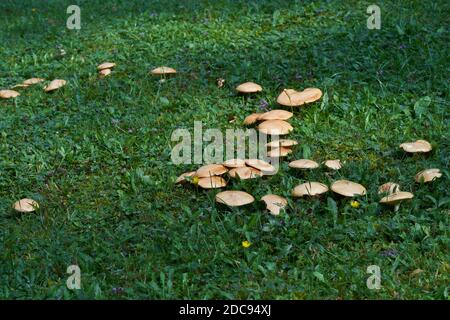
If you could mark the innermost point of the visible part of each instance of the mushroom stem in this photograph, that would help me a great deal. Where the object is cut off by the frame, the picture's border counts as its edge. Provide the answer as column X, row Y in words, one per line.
column 397, row 206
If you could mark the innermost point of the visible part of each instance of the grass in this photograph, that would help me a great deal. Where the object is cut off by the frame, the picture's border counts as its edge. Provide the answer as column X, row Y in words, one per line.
column 96, row 154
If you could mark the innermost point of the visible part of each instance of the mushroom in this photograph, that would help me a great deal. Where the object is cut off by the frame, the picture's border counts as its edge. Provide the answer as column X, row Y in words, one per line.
column 104, row 72
column 249, row 87
column 275, row 127
column 251, row 119
column 261, row 165
column 211, row 170
column 293, row 98
column 32, row 81
column 281, row 143
column 333, row 164
column 55, row 84
column 7, row 94
column 276, row 115
column 245, row 173
column 234, row 163
column 348, row 188
column 388, row 187
column 163, row 71
column 20, row 86
column 310, row 188
column 279, row 152
column 106, row 65
column 419, row 146
column 274, row 203
column 303, row 164
column 26, row 205
column 234, row 198
column 212, row 182
column 182, row 177
column 428, row 175
column 395, row 198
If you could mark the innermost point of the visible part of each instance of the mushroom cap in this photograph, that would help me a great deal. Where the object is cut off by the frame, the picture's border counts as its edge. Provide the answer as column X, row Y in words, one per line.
column 348, row 188
column 163, row 70
column 417, row 146
column 234, row 198
column 20, row 86
column 55, row 84
column 6, row 94
column 106, row 65
column 32, row 81
column 396, row 197
column 281, row 143
column 293, row 98
column 274, row 203
column 275, row 127
column 234, row 163
column 104, row 72
column 389, row 187
column 249, row 87
column 261, row 165
column 333, row 164
column 428, row 175
column 310, row 188
column 303, row 164
column 245, row 173
column 277, row 114
column 251, row 119
column 211, row 170
column 279, row 152
column 183, row 176
column 212, row 182
column 26, row 205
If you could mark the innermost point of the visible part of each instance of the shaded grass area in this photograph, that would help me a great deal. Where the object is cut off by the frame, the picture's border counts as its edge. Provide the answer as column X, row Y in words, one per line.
column 96, row 155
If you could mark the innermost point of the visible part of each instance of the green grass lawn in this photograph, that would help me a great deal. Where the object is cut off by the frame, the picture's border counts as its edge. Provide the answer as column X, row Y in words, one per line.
column 96, row 154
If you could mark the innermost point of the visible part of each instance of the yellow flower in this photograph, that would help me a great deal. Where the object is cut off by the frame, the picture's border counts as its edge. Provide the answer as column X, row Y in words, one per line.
column 354, row 204
column 246, row 244
column 195, row 180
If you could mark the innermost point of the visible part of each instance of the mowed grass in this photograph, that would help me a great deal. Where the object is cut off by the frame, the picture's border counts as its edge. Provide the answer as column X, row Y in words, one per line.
column 96, row 154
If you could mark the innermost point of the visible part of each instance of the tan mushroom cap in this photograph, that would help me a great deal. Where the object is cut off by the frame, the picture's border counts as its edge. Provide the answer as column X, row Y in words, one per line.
column 55, row 84
column 274, row 203
column 397, row 197
column 163, row 70
column 251, row 119
column 303, row 164
column 106, row 65
column 348, row 188
column 183, row 176
column 279, row 152
column 275, row 127
column 310, row 188
column 428, row 175
column 281, row 143
column 276, row 115
column 417, row 146
column 212, row 182
column 7, row 94
column 234, row 163
column 104, row 72
column 26, row 205
column 389, row 187
column 234, row 198
column 249, row 87
column 261, row 165
column 32, row 81
column 293, row 98
column 245, row 173
column 333, row 164
column 211, row 170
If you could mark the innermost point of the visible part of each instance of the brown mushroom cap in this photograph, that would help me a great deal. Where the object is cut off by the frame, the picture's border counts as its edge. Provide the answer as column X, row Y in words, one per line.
column 55, row 84
column 397, row 197
column 303, row 164
column 249, row 87
column 261, row 165
column 234, row 198
column 333, row 164
column 293, row 98
column 106, row 65
column 274, row 203
column 251, row 119
column 276, row 115
column 212, row 182
column 389, row 187
column 211, row 170
column 234, row 163
column 245, row 173
column 163, row 70
column 279, row 152
column 310, row 188
column 428, row 175
column 281, row 143
column 348, row 188
column 7, row 94
column 421, row 146
column 182, row 177
column 275, row 127
column 26, row 205
column 32, row 81
column 104, row 72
